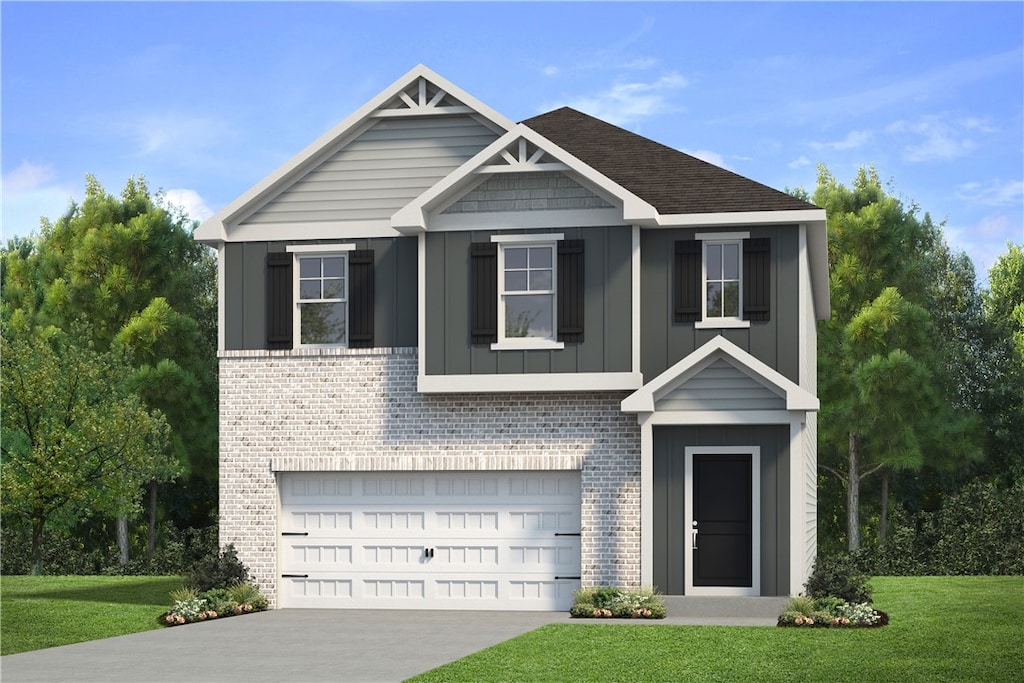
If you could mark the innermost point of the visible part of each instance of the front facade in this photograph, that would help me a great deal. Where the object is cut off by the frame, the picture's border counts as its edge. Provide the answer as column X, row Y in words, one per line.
column 467, row 363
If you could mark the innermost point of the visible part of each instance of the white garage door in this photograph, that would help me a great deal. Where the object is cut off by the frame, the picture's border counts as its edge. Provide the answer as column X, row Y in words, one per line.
column 438, row 540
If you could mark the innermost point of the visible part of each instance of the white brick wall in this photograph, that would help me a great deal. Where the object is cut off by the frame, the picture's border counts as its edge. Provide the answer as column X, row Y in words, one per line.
column 358, row 410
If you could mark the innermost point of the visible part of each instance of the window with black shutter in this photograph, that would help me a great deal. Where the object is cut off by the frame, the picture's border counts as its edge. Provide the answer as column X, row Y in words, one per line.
column 279, row 300
column 722, row 280
column 571, row 285
column 360, row 299
column 483, row 283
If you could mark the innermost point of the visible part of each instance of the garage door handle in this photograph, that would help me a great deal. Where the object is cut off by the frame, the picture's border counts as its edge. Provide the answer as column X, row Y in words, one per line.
column 294, row 576
column 295, row 533
column 560, row 578
column 561, row 534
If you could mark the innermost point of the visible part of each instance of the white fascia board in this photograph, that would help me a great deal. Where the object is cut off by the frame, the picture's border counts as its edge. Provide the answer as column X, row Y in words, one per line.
column 215, row 228
column 643, row 400
column 817, row 256
column 412, row 217
column 529, row 382
column 320, row 230
column 739, row 218
column 724, row 417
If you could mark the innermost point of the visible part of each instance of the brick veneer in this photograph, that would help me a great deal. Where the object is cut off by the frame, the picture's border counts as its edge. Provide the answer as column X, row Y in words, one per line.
column 358, row 410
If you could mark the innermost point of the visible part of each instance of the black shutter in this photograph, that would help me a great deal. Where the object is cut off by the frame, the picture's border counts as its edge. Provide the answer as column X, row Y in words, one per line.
column 360, row 299
column 570, row 290
column 686, row 283
column 757, row 282
column 280, row 306
column 483, row 292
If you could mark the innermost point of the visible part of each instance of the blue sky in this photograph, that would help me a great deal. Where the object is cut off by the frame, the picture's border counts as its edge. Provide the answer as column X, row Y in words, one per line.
column 204, row 99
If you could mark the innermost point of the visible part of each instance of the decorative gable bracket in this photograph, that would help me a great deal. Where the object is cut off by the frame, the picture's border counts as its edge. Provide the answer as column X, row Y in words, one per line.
column 422, row 98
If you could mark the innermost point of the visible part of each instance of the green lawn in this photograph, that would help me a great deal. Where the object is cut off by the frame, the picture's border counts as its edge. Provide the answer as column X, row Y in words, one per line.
column 44, row 611
column 942, row 629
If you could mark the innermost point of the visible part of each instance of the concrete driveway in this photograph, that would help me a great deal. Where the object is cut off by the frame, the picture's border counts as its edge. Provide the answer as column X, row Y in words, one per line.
column 281, row 645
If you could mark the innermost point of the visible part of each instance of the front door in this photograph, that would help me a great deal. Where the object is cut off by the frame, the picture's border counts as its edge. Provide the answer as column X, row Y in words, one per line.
column 722, row 504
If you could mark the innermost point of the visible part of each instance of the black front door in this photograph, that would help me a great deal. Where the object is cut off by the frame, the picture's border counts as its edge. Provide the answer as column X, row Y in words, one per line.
column 723, row 519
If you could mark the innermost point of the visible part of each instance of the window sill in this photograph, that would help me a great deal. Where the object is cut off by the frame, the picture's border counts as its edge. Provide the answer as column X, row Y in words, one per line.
column 524, row 345
column 721, row 323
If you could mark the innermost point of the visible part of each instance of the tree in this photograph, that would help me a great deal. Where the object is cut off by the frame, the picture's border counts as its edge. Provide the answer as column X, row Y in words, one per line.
column 882, row 379
column 75, row 438
column 1002, row 402
column 125, row 272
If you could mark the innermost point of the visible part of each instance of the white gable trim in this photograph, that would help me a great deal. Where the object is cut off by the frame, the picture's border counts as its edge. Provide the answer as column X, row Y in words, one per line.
column 413, row 218
column 215, row 229
column 644, row 399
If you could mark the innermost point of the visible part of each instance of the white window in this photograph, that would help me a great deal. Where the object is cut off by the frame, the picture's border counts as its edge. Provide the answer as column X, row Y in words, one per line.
column 527, row 277
column 723, row 280
column 321, row 316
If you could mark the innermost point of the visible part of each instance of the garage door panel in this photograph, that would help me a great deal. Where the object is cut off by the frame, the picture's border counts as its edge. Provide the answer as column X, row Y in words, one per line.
column 431, row 540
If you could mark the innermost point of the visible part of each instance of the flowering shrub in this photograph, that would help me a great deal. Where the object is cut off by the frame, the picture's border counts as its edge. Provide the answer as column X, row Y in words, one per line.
column 828, row 612
column 606, row 602
column 190, row 606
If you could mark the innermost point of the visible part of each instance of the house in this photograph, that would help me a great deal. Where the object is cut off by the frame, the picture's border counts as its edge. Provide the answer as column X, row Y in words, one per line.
column 468, row 363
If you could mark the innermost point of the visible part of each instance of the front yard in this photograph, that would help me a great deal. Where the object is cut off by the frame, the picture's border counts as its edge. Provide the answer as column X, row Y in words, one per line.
column 941, row 629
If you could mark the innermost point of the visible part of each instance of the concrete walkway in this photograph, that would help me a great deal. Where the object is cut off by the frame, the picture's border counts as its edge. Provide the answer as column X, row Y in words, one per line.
column 354, row 646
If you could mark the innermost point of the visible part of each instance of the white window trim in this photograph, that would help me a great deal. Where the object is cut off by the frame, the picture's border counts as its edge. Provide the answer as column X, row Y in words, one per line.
column 527, row 343
column 300, row 250
column 705, row 321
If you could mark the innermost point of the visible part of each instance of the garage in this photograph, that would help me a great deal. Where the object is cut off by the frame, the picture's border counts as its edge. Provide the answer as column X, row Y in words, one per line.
column 429, row 540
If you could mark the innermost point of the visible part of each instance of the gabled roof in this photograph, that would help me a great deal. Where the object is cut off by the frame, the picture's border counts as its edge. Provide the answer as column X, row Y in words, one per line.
column 671, row 181
column 520, row 150
column 420, row 92
column 644, row 400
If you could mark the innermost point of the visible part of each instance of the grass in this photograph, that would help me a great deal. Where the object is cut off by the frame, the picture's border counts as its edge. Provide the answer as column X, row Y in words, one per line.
column 45, row 611
column 941, row 629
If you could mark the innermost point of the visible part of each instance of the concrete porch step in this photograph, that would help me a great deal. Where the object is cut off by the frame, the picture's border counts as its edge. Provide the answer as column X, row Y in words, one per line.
column 706, row 607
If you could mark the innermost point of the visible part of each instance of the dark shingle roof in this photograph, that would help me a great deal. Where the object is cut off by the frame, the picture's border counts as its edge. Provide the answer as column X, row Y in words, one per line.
column 669, row 180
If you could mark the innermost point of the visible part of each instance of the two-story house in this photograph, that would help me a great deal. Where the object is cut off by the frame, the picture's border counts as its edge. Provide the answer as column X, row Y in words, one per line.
column 468, row 363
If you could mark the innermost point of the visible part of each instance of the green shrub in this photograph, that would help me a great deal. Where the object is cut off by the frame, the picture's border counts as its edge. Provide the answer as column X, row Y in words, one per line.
column 219, row 600
column 606, row 601
column 220, row 570
column 247, row 593
column 838, row 577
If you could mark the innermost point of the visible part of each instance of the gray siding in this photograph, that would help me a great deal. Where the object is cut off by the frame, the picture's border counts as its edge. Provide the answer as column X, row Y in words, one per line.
column 607, row 345
column 671, row 540
column 528, row 192
column 380, row 171
column 721, row 386
column 775, row 342
column 245, row 291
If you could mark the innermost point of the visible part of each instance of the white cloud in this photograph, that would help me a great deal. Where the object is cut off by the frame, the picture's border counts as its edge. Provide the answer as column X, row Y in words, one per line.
column 853, row 140
column 550, row 71
column 800, row 162
column 627, row 102
column 985, row 240
column 171, row 132
column 26, row 178
column 936, row 137
column 995, row 193
column 189, row 201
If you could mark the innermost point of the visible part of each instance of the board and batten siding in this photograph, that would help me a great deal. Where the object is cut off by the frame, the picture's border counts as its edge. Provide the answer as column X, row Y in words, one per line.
column 245, row 291
column 378, row 172
column 671, row 540
column 607, row 344
column 775, row 342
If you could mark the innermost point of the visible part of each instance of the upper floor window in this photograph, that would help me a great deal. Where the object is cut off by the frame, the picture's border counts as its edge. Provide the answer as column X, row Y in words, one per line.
column 722, row 293
column 526, row 307
column 526, row 291
column 323, row 300
column 320, row 295
column 722, row 280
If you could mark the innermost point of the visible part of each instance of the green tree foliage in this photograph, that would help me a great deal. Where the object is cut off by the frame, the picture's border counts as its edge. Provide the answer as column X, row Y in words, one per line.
column 883, row 378
column 1002, row 399
column 124, row 272
column 76, row 439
